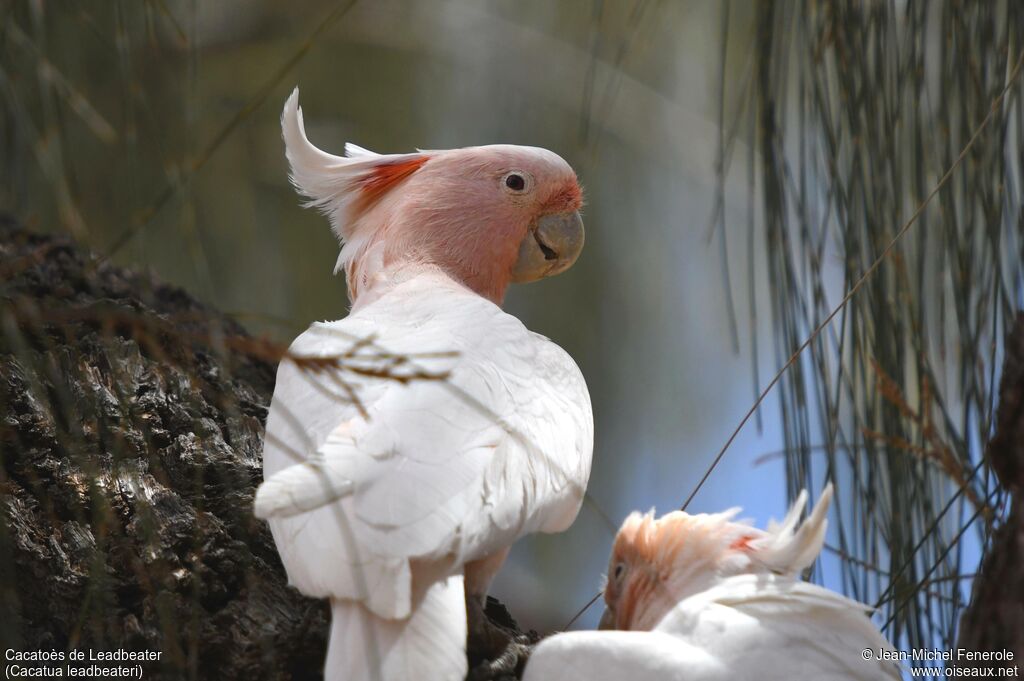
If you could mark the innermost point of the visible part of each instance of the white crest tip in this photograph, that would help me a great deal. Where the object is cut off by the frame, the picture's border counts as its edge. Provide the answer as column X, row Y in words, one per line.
column 355, row 151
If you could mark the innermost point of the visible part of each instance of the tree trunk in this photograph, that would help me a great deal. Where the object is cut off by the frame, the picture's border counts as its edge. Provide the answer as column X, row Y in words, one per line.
column 130, row 450
column 994, row 621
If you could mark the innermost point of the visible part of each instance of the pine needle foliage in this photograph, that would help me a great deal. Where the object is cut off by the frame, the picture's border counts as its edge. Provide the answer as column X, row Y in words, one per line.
column 857, row 111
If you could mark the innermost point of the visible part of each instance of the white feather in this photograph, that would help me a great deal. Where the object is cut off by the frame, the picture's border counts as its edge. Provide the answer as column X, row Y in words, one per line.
column 428, row 644
column 746, row 628
column 300, row 488
column 607, row 655
column 790, row 546
column 331, row 183
column 354, row 151
column 422, row 476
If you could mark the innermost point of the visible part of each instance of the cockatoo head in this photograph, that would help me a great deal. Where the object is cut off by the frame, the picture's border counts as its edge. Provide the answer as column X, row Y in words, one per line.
column 487, row 215
column 657, row 562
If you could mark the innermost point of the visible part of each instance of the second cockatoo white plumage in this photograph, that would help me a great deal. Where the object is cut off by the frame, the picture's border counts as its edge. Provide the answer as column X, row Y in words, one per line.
column 704, row 598
column 398, row 499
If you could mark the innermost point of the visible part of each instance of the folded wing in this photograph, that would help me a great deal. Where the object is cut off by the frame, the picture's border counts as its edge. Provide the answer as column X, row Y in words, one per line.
column 368, row 478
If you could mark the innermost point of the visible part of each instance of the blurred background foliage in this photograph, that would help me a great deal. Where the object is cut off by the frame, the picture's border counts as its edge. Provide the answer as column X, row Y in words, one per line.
column 744, row 164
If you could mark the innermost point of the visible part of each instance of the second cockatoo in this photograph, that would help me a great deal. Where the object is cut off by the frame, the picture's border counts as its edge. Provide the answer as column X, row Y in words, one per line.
column 411, row 443
column 705, row 598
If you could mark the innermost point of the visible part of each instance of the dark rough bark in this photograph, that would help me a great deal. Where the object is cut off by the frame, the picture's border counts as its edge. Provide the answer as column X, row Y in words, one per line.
column 130, row 449
column 994, row 620
column 130, row 456
column 506, row 660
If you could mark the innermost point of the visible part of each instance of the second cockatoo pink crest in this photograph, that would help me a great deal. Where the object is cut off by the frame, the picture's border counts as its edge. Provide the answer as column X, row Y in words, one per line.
column 655, row 563
column 486, row 215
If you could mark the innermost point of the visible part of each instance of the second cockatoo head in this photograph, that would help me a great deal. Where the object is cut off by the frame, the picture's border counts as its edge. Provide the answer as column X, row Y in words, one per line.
column 657, row 562
column 486, row 215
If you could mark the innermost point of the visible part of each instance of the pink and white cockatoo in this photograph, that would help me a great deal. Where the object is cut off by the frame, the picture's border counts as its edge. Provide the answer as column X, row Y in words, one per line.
column 704, row 598
column 398, row 500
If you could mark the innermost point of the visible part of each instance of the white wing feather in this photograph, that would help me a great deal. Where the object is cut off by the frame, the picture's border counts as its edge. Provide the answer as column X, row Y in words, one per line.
column 430, row 471
column 618, row 655
column 776, row 627
column 300, row 488
column 747, row 628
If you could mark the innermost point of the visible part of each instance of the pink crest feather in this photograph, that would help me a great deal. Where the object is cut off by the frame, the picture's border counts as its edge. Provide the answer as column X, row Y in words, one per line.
column 384, row 177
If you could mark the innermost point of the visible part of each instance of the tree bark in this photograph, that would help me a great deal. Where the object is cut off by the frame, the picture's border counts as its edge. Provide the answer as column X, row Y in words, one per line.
column 131, row 425
column 131, row 447
column 994, row 620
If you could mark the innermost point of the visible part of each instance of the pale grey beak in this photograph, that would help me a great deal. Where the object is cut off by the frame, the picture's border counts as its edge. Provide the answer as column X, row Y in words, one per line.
column 607, row 620
column 550, row 247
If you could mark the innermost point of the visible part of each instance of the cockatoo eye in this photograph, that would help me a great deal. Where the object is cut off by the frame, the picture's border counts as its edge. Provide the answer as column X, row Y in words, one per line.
column 517, row 182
